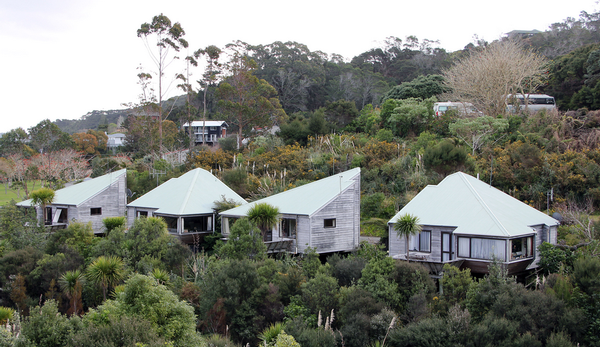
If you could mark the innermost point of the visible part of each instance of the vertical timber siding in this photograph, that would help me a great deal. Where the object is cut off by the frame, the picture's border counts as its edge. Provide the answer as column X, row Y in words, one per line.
column 303, row 233
column 345, row 208
column 397, row 245
column 112, row 201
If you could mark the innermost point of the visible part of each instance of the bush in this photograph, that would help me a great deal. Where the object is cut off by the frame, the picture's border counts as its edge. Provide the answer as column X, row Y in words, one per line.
column 313, row 337
column 445, row 158
column 385, row 135
column 348, row 270
column 47, row 327
column 228, row 143
column 426, row 333
column 111, row 223
column 555, row 260
column 237, row 179
column 143, row 298
column 321, row 294
column 586, row 273
column 121, row 332
column 412, row 278
column 245, row 242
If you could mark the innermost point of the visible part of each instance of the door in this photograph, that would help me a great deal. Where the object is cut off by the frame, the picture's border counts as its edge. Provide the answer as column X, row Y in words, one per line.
column 446, row 247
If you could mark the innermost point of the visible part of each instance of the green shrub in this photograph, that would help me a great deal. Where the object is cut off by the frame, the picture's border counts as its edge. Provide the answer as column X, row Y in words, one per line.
column 123, row 331
column 111, row 223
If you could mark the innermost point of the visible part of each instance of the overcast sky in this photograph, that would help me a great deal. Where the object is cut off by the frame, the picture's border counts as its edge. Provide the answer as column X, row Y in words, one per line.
column 61, row 59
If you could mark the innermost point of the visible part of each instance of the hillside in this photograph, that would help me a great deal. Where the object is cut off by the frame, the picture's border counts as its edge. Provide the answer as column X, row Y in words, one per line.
column 91, row 120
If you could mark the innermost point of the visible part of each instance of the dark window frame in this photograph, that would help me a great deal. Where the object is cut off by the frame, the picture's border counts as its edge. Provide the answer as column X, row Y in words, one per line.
column 63, row 218
column 96, row 211
column 526, row 243
column 471, row 256
column 329, row 223
column 418, row 236
column 288, row 227
column 197, row 224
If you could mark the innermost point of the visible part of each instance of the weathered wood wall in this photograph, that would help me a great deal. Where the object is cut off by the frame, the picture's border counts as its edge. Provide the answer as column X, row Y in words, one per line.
column 112, row 201
column 345, row 208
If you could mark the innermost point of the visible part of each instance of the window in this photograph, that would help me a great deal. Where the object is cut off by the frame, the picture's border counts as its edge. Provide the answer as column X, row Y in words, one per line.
column 329, row 223
column 64, row 217
column 171, row 223
column 464, row 247
column 521, row 248
column 288, row 227
column 479, row 248
column 421, row 242
column 96, row 211
column 142, row 214
column 197, row 224
column 48, row 216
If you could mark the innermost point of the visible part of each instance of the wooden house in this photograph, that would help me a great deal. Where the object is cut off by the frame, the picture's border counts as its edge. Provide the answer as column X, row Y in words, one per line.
column 207, row 132
column 89, row 201
column 467, row 223
column 324, row 215
column 185, row 203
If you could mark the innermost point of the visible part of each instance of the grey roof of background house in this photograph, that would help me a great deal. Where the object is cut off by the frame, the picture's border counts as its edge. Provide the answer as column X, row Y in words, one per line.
column 193, row 193
column 306, row 199
column 474, row 208
column 81, row 192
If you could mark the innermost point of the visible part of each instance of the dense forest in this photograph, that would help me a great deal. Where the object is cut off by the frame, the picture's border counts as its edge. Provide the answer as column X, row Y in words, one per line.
column 141, row 286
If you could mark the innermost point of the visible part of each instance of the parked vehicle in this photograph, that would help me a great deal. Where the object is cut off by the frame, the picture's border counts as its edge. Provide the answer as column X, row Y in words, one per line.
column 464, row 109
column 530, row 102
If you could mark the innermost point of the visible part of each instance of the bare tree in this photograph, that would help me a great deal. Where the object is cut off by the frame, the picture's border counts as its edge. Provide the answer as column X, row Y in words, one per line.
column 578, row 216
column 487, row 77
column 167, row 36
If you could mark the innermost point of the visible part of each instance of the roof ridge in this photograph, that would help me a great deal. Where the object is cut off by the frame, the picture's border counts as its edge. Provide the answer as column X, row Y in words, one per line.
column 325, row 193
column 334, row 197
column 321, row 180
column 189, row 192
column 482, row 202
column 111, row 180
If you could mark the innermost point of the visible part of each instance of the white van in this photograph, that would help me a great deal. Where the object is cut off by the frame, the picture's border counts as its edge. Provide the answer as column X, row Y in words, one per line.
column 533, row 102
column 464, row 109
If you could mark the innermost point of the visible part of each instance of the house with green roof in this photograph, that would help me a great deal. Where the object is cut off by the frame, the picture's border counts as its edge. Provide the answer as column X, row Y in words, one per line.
column 186, row 203
column 324, row 215
column 89, row 201
column 467, row 222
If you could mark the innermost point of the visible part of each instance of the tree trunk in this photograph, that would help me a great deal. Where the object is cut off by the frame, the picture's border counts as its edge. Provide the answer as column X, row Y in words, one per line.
column 407, row 250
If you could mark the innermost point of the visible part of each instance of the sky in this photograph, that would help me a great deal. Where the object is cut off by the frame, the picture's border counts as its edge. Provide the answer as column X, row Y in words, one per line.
column 61, row 59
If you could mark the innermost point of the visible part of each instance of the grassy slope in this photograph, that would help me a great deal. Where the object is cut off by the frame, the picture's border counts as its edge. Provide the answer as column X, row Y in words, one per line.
column 6, row 195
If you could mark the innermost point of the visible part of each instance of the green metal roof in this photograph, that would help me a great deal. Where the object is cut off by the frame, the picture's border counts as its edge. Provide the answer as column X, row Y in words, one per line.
column 193, row 193
column 81, row 192
column 474, row 208
column 306, row 199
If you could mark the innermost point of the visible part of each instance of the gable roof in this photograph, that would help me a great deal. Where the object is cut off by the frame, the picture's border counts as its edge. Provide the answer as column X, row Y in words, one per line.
column 306, row 199
column 474, row 208
column 81, row 192
column 190, row 194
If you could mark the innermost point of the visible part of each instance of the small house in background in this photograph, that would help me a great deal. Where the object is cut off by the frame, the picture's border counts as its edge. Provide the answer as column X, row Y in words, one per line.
column 468, row 223
column 213, row 131
column 186, row 203
column 89, row 201
column 522, row 34
column 324, row 215
column 115, row 140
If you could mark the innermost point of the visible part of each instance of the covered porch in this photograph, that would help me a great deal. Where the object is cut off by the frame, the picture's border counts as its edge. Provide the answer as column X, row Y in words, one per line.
column 192, row 224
